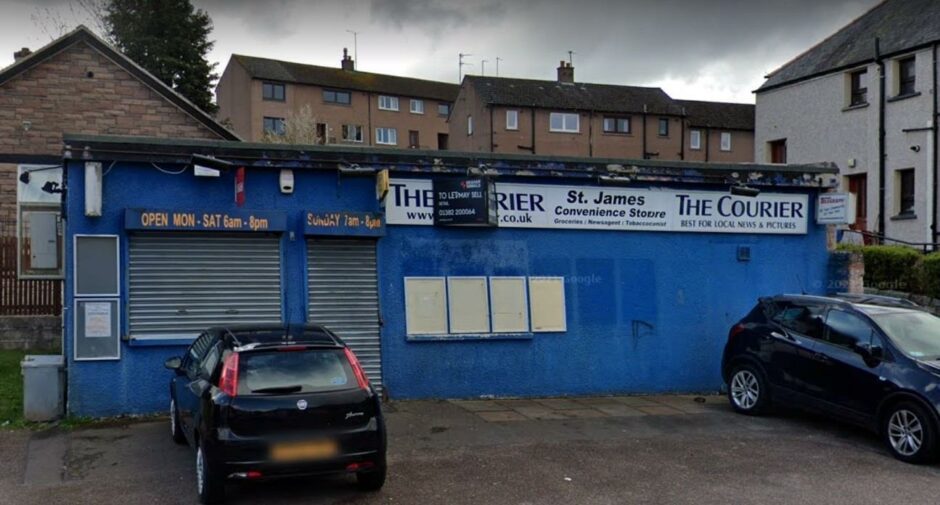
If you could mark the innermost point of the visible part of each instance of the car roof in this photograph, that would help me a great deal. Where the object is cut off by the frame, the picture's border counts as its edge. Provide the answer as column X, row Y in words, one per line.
column 869, row 304
column 272, row 334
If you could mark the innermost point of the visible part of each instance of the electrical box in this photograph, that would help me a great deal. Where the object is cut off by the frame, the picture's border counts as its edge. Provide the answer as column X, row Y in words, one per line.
column 43, row 240
column 93, row 182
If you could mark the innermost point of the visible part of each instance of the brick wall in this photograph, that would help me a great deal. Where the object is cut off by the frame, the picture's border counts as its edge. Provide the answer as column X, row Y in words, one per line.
column 81, row 91
column 7, row 198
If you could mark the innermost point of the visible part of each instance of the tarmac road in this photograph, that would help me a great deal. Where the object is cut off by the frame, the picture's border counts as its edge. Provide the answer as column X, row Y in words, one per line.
column 442, row 452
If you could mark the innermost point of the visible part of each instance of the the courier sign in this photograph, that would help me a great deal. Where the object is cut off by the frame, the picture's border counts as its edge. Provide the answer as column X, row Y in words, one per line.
column 411, row 201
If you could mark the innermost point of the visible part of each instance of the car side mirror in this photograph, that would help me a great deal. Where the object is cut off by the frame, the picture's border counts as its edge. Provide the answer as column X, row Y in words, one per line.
column 869, row 351
column 173, row 363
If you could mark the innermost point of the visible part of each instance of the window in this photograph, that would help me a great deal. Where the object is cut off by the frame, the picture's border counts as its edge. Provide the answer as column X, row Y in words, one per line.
column 512, row 120
column 725, row 141
column 442, row 141
column 272, row 91
column 695, row 139
column 509, row 311
column 468, row 305
column 858, row 85
column 308, row 371
column 906, row 76
column 443, row 109
column 388, row 102
column 663, row 127
column 39, row 226
column 847, row 330
column 469, row 125
column 388, row 136
column 413, row 141
column 906, row 192
column 352, row 133
column 340, row 97
column 547, row 299
column 425, row 305
column 913, row 332
column 804, row 319
column 417, row 106
column 778, row 151
column 274, row 126
column 564, row 122
column 616, row 125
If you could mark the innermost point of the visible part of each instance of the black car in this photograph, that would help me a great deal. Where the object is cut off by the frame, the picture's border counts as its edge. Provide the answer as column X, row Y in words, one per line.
column 870, row 361
column 269, row 401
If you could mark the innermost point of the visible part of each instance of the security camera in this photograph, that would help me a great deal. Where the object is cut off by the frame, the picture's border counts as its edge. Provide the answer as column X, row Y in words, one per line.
column 916, row 149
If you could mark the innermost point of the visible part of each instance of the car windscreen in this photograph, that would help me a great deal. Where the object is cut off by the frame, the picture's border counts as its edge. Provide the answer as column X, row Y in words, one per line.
column 295, row 371
column 916, row 333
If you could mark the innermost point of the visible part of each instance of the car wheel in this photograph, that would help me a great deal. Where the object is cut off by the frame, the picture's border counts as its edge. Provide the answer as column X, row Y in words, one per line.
column 372, row 480
column 175, row 427
column 910, row 433
column 747, row 390
column 209, row 483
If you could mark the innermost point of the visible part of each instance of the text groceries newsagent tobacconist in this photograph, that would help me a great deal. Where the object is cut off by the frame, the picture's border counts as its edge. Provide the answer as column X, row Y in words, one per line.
column 449, row 276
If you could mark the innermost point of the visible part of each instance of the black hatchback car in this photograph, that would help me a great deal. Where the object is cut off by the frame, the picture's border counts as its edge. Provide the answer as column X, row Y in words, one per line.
column 871, row 361
column 269, row 401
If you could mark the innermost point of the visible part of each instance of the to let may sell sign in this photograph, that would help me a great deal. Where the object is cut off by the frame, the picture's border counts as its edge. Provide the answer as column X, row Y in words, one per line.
column 411, row 202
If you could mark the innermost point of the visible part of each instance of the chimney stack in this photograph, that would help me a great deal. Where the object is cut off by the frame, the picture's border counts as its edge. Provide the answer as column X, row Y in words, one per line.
column 565, row 72
column 22, row 53
column 347, row 63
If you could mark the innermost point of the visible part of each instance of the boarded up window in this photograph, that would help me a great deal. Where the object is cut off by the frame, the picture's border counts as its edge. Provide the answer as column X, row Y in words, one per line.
column 469, row 305
column 510, row 312
column 425, row 305
column 547, row 296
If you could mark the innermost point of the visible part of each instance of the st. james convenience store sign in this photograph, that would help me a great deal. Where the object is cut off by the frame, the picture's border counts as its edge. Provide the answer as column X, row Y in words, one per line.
column 411, row 202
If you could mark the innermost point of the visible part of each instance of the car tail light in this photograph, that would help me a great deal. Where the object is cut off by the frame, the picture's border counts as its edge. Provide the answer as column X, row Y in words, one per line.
column 353, row 467
column 253, row 474
column 229, row 381
column 735, row 330
column 357, row 369
column 292, row 348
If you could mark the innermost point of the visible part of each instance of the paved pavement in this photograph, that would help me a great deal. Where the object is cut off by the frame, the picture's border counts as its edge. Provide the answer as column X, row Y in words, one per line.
column 587, row 450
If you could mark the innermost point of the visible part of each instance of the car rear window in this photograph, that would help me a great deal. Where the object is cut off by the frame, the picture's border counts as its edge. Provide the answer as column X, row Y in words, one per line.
column 287, row 372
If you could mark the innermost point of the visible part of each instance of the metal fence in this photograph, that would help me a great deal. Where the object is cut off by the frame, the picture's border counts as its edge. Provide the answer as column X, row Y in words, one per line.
column 24, row 297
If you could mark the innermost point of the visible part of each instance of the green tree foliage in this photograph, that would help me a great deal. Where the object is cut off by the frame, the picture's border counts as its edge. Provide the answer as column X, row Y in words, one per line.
column 169, row 38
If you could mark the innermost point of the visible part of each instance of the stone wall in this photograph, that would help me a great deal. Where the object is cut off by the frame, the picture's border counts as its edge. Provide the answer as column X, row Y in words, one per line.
column 30, row 332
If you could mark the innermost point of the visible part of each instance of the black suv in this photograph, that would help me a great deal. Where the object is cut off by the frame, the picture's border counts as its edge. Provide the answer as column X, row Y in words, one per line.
column 267, row 401
column 872, row 361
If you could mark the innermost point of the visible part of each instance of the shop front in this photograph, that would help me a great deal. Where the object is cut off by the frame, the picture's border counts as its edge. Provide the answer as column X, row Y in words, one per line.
column 450, row 277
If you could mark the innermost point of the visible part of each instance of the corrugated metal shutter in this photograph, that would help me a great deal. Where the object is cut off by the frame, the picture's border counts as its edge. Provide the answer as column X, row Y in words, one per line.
column 183, row 283
column 343, row 289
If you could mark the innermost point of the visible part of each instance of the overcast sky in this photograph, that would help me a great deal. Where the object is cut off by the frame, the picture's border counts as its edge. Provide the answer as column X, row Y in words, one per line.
column 701, row 49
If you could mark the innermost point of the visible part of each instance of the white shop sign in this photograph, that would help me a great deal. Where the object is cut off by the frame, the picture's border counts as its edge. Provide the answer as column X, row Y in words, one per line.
column 835, row 208
column 411, row 202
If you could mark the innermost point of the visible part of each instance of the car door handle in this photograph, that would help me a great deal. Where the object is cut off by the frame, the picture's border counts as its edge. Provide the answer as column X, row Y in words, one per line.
column 779, row 336
column 821, row 357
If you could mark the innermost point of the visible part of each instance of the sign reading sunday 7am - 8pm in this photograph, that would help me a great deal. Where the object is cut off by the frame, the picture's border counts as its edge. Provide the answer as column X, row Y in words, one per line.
column 411, row 201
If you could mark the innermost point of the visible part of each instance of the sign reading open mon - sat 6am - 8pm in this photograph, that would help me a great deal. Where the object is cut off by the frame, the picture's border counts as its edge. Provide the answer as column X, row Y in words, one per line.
column 196, row 220
column 411, row 202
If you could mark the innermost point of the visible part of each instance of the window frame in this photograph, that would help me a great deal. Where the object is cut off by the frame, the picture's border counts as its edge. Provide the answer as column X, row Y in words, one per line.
column 616, row 123
column 822, row 312
column 411, row 106
column 695, row 139
column 344, row 130
column 52, row 205
column 514, row 114
column 564, row 123
column 336, row 93
column 445, row 105
column 386, row 130
column 903, row 80
column 273, row 86
column 911, row 175
column 721, row 142
column 858, row 95
column 872, row 331
column 392, row 104
column 663, row 129
column 265, row 131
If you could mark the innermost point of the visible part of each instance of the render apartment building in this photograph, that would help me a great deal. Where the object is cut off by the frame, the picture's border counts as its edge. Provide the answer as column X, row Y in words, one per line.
column 569, row 118
column 865, row 99
column 258, row 96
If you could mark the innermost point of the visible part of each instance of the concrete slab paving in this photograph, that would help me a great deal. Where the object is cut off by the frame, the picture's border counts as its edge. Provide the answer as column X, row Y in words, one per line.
column 479, row 406
column 560, row 404
column 502, row 416
column 659, row 410
column 583, row 413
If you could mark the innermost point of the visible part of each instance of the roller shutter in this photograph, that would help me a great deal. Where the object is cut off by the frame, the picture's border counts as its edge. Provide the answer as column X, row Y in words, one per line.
column 343, row 289
column 181, row 284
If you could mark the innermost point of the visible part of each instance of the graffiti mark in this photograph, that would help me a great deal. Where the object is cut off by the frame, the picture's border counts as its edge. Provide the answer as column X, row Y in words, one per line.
column 641, row 329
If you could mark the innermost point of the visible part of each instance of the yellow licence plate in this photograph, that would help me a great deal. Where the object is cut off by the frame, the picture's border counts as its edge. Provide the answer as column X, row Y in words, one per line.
column 304, row 451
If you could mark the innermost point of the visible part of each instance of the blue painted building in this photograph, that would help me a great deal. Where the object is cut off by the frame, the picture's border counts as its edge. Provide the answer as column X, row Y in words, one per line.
column 601, row 277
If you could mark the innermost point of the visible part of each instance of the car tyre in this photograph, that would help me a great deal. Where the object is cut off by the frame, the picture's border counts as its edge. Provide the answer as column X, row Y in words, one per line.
column 372, row 480
column 175, row 427
column 210, row 483
column 910, row 433
column 747, row 391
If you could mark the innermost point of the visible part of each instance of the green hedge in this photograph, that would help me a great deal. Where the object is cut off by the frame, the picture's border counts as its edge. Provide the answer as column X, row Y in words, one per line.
column 894, row 267
column 930, row 267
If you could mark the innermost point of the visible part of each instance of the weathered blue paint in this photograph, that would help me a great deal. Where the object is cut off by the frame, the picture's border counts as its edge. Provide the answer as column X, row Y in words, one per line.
column 646, row 311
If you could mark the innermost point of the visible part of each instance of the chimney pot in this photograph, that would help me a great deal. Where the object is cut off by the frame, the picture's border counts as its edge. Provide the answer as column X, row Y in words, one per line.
column 347, row 63
column 22, row 53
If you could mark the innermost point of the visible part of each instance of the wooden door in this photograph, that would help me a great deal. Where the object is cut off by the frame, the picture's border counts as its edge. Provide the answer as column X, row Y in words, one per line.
column 858, row 186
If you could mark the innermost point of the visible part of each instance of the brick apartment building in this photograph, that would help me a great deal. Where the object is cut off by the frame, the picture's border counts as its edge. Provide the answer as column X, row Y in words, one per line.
column 568, row 118
column 76, row 84
column 257, row 95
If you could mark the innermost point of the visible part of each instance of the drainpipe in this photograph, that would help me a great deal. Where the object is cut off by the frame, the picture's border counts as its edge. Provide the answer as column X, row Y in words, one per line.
column 882, row 175
column 645, row 156
column 935, row 166
column 591, row 134
column 682, row 136
column 708, row 137
column 369, row 109
column 490, row 107
column 533, row 129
